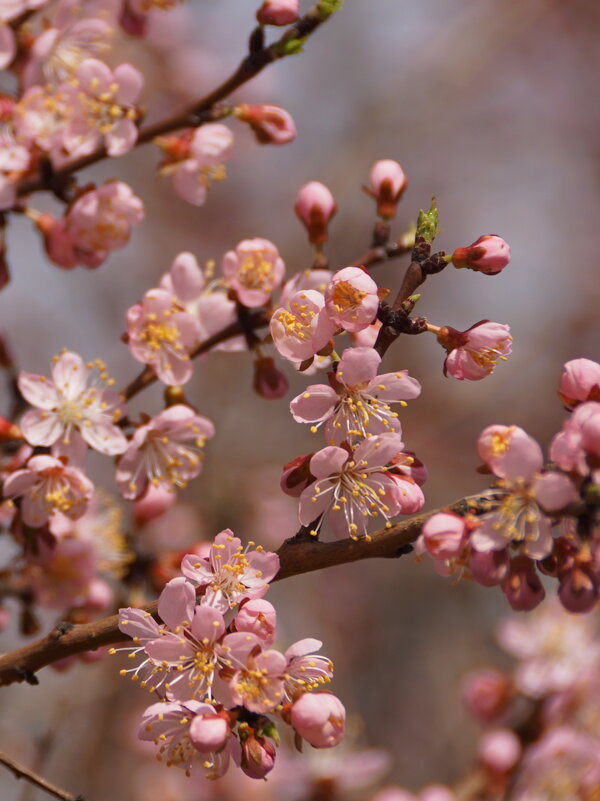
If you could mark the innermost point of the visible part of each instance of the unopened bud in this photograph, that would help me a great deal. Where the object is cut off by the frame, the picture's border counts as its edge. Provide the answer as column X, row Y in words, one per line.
column 489, row 254
column 486, row 694
column 209, row 732
column 278, row 12
column 319, row 718
column 269, row 381
column 315, row 207
column 523, row 588
column 258, row 756
column 272, row 125
column 387, row 184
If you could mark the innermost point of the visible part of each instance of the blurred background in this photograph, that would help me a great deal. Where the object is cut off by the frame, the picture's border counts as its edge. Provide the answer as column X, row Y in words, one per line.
column 492, row 106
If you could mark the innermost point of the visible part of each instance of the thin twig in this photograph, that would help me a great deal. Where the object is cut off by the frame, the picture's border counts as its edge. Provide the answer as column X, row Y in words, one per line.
column 297, row 555
column 21, row 772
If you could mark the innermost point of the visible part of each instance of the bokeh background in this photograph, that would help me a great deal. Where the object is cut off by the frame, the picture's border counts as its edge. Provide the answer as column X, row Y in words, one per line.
column 491, row 105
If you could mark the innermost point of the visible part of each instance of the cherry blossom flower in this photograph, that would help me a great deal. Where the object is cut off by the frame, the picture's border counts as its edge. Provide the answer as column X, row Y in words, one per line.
column 168, row 726
column 357, row 404
column 473, row 354
column 387, row 183
column 161, row 334
column 278, row 12
column 254, row 269
column 525, row 494
column 103, row 103
column 305, row 670
column 580, row 382
column 46, row 487
column 62, row 575
column 352, row 489
column 166, row 451
column 301, row 328
column 489, row 255
column 351, row 299
column 69, row 408
column 98, row 222
column 577, row 446
column 258, row 683
column 319, row 718
column 315, row 206
column 231, row 573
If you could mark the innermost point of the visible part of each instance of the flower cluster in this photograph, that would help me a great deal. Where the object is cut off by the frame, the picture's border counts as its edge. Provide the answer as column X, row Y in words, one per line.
column 211, row 662
column 511, row 539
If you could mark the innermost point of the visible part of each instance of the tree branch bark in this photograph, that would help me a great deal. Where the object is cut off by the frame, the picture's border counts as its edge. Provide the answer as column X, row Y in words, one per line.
column 21, row 772
column 297, row 555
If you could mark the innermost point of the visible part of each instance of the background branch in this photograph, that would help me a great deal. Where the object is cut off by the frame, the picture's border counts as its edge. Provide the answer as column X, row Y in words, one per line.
column 297, row 555
column 21, row 772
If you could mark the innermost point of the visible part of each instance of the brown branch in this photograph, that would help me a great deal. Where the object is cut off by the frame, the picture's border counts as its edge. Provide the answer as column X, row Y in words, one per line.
column 200, row 112
column 382, row 253
column 21, row 772
column 297, row 555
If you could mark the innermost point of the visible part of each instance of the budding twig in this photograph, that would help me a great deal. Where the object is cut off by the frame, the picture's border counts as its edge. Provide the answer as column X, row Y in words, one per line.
column 295, row 556
column 21, row 772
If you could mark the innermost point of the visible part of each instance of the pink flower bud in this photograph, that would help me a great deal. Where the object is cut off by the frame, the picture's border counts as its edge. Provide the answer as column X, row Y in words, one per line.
column 258, row 617
column 580, row 382
column 315, row 207
column 387, row 184
column 578, row 591
column 258, row 756
column 523, row 588
column 278, row 12
column 489, row 568
column 445, row 535
column 272, row 125
column 486, row 694
column 269, row 381
column 208, row 732
column 320, row 718
column 500, row 750
column 489, row 254
column 153, row 503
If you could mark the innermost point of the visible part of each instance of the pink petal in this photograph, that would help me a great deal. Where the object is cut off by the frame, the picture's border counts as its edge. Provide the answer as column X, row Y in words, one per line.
column 121, row 138
column 394, row 386
column 70, row 375
column 176, row 602
column 187, row 277
column 41, row 428
column 104, row 437
column 358, row 366
column 37, row 390
column 315, row 404
column 554, row 491
column 137, row 623
column 188, row 183
column 328, row 461
column 207, row 624
column 130, row 83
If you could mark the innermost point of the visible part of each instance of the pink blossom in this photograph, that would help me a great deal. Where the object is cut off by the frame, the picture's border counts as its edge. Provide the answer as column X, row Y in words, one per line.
column 162, row 334
column 489, row 568
column 278, row 12
column 254, row 269
column 357, row 404
column 472, row 354
column 258, row 684
column 47, row 487
column 197, row 160
column 305, row 279
column 315, row 207
column 231, row 573
column 168, row 725
column 499, row 750
column 445, row 535
column 209, row 732
column 352, row 489
column 525, row 494
column 103, row 103
column 258, row 617
column 69, row 408
column 387, row 185
column 351, row 299
column 165, row 452
column 62, row 575
column 578, row 440
column 272, row 125
column 99, row 222
column 580, row 382
column 489, row 255
column 153, row 503
column 305, row 670
column 319, row 718
column 301, row 328
column 486, row 694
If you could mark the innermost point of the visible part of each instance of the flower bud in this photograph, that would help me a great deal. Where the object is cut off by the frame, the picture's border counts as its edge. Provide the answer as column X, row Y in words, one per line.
column 258, row 617
column 315, row 207
column 278, row 12
column 387, row 184
column 445, row 535
column 489, row 254
column 578, row 591
column 319, row 718
column 499, row 750
column 272, row 125
column 580, row 382
column 209, row 732
column 153, row 503
column 258, row 756
column 523, row 588
column 485, row 694
column 269, row 381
